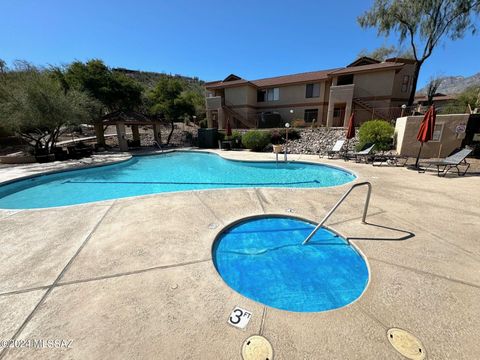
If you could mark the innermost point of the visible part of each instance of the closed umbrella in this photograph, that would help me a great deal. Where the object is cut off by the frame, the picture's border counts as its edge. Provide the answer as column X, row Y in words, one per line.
column 350, row 131
column 228, row 131
column 425, row 132
column 351, row 127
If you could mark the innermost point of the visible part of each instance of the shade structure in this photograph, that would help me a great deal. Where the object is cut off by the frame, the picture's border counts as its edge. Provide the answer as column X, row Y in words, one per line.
column 228, row 130
column 351, row 127
column 425, row 132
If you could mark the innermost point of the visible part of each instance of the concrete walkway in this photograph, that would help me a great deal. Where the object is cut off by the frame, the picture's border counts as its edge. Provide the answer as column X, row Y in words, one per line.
column 133, row 278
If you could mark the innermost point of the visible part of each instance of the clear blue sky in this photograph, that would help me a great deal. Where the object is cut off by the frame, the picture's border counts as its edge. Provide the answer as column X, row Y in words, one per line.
column 208, row 39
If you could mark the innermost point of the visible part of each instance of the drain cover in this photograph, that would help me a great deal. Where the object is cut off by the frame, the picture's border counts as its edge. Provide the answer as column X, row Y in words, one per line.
column 256, row 347
column 406, row 344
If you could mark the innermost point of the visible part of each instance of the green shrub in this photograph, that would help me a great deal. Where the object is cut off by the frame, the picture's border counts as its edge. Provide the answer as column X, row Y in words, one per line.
column 203, row 123
column 378, row 132
column 256, row 140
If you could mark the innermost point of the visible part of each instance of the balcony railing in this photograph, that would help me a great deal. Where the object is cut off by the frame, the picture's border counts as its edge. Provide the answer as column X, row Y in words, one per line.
column 213, row 102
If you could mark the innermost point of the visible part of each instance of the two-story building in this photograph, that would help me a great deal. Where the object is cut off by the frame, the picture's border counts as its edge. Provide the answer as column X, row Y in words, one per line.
column 370, row 88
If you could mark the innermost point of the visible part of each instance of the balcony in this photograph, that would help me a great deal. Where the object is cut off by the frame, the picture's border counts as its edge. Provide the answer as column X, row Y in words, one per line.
column 213, row 102
column 342, row 93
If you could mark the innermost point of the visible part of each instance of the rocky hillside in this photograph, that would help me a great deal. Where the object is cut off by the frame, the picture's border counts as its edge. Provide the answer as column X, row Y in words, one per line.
column 455, row 84
column 149, row 79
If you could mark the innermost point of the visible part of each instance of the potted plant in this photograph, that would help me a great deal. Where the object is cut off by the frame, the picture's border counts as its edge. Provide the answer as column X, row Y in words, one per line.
column 277, row 141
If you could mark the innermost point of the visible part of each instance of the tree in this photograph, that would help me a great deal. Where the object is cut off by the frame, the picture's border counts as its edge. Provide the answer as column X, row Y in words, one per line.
column 169, row 100
column 432, row 88
column 384, row 52
column 469, row 98
column 422, row 23
column 34, row 105
column 3, row 66
column 114, row 90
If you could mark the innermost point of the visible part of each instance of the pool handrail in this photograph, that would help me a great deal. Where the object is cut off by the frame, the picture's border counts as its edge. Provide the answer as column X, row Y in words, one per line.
column 155, row 142
column 365, row 208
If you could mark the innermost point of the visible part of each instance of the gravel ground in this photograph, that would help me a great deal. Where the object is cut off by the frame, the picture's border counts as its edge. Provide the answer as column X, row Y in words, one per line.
column 318, row 141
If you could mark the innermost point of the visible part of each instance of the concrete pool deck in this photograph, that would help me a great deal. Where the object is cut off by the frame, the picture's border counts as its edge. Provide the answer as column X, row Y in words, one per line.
column 133, row 278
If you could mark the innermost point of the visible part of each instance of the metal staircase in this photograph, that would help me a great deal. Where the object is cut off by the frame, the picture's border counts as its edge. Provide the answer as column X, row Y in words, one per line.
column 376, row 113
column 229, row 112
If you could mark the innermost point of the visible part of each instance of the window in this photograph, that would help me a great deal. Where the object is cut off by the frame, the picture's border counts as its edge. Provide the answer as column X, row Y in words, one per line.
column 337, row 112
column 273, row 94
column 312, row 90
column 405, row 81
column 310, row 115
column 437, row 132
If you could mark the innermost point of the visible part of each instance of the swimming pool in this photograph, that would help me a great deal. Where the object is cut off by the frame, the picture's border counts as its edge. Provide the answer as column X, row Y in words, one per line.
column 264, row 259
column 168, row 172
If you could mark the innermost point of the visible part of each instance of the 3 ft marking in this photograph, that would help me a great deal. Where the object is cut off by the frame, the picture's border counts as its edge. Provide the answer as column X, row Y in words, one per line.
column 239, row 317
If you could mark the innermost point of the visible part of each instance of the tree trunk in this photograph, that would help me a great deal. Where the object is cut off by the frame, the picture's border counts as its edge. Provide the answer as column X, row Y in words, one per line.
column 411, row 99
column 171, row 132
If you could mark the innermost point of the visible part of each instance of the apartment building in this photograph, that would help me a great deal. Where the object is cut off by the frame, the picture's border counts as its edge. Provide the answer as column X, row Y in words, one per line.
column 370, row 88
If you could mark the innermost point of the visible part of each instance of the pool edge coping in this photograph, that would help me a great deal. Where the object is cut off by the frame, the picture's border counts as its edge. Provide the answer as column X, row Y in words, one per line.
column 132, row 156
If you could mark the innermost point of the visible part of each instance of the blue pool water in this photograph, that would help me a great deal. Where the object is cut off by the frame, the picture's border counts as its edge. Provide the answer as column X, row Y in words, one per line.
column 264, row 260
column 176, row 171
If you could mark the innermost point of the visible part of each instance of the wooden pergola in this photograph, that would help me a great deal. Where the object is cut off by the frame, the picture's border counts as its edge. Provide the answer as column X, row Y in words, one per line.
column 121, row 119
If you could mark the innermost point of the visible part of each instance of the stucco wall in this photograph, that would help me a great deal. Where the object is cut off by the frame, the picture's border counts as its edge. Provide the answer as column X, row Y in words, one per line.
column 379, row 83
column 406, row 130
column 294, row 94
column 236, row 95
column 397, row 92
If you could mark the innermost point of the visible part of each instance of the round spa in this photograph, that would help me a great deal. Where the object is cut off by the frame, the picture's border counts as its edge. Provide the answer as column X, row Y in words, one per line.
column 263, row 259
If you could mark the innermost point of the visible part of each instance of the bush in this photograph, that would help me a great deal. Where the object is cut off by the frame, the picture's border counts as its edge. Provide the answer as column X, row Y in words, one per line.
column 378, row 132
column 256, row 140
column 203, row 123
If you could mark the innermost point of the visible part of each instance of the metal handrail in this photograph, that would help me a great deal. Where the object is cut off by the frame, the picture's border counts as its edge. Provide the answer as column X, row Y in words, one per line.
column 365, row 209
column 159, row 146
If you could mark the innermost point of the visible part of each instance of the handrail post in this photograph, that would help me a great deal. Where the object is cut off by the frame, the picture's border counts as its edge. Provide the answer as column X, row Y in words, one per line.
column 332, row 210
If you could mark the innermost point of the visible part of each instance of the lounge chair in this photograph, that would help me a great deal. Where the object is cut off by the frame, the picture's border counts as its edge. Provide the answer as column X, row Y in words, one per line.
column 364, row 154
column 450, row 162
column 389, row 159
column 335, row 149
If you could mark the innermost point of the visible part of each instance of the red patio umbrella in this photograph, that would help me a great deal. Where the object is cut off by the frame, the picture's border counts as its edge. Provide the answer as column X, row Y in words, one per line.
column 425, row 132
column 228, row 131
column 351, row 127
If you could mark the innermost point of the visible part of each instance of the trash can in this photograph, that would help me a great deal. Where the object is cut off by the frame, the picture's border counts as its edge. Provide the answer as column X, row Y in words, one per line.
column 207, row 138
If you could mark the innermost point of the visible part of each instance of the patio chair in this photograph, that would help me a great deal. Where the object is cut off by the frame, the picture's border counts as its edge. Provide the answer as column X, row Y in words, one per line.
column 450, row 162
column 335, row 149
column 390, row 159
column 364, row 154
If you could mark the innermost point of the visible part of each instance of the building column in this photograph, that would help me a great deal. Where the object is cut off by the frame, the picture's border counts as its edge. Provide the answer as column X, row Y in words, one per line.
column 135, row 133
column 209, row 119
column 157, row 134
column 330, row 114
column 99, row 133
column 221, row 118
column 122, row 140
